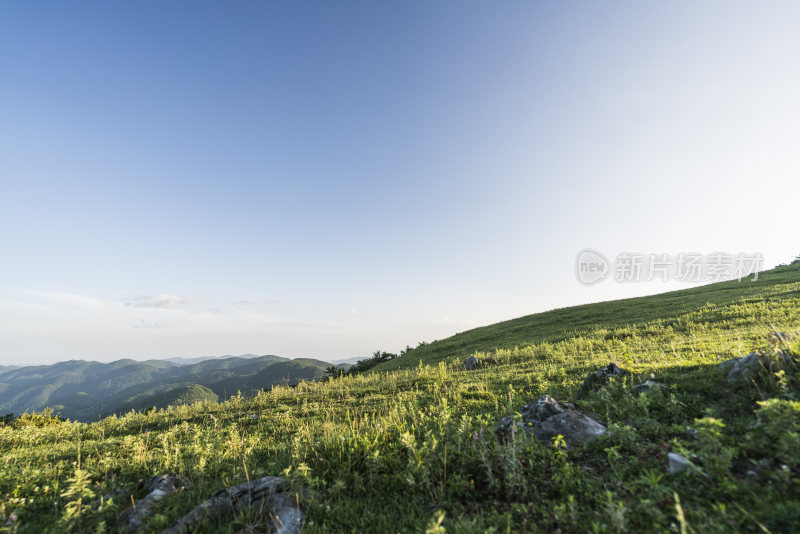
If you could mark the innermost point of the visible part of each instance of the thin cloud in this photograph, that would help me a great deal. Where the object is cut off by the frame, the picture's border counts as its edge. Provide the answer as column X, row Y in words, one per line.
column 256, row 302
column 441, row 319
column 159, row 301
column 149, row 324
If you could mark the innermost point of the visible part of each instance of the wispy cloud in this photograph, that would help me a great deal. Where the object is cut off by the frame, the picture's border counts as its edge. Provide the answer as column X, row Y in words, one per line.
column 257, row 302
column 164, row 300
column 441, row 319
column 148, row 324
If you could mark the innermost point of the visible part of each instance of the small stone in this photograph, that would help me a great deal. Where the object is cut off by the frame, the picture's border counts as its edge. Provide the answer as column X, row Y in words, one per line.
column 472, row 363
column 601, row 377
column 677, row 463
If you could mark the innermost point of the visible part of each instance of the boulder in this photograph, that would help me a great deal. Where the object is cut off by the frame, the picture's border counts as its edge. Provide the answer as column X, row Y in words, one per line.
column 746, row 367
column 600, row 378
column 546, row 418
column 677, row 463
column 270, row 495
column 472, row 363
column 158, row 487
column 741, row 368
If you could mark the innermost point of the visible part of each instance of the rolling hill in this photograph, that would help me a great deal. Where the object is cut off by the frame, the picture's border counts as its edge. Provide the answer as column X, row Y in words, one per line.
column 169, row 395
column 84, row 390
column 559, row 324
column 5, row 368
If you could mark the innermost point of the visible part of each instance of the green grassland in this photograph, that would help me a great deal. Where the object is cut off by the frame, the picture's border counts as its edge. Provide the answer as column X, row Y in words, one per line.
column 560, row 324
column 410, row 445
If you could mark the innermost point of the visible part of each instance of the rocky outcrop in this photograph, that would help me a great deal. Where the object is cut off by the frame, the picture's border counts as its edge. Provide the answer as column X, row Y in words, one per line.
column 546, row 418
column 746, row 367
column 601, row 377
column 158, row 487
column 269, row 495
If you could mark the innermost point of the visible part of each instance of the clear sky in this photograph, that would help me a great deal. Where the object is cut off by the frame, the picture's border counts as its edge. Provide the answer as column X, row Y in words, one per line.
column 327, row 179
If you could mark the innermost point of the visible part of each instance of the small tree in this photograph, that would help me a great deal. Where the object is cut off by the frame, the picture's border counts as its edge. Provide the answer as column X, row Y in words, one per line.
column 332, row 371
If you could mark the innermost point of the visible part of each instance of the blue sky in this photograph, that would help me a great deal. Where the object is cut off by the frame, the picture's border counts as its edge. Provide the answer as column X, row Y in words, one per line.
column 327, row 179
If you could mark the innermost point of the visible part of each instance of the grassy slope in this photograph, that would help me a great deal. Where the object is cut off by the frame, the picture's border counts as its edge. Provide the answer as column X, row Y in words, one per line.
column 559, row 324
column 169, row 395
column 389, row 452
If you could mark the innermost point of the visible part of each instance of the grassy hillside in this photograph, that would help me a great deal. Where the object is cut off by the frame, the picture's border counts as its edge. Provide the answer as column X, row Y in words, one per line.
column 169, row 395
column 560, row 324
column 414, row 449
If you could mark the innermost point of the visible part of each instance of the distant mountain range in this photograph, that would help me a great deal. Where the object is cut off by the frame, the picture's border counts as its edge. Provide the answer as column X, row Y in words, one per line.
column 186, row 361
column 4, row 368
column 83, row 391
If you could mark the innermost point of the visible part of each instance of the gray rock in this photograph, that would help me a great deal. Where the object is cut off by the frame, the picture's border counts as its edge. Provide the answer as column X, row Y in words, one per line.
column 677, row 463
column 649, row 385
column 472, row 363
column 741, row 368
column 270, row 495
column 600, row 378
column 158, row 487
column 746, row 367
column 546, row 418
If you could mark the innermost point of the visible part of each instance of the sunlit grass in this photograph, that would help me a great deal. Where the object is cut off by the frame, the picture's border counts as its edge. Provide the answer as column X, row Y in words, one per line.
column 393, row 450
